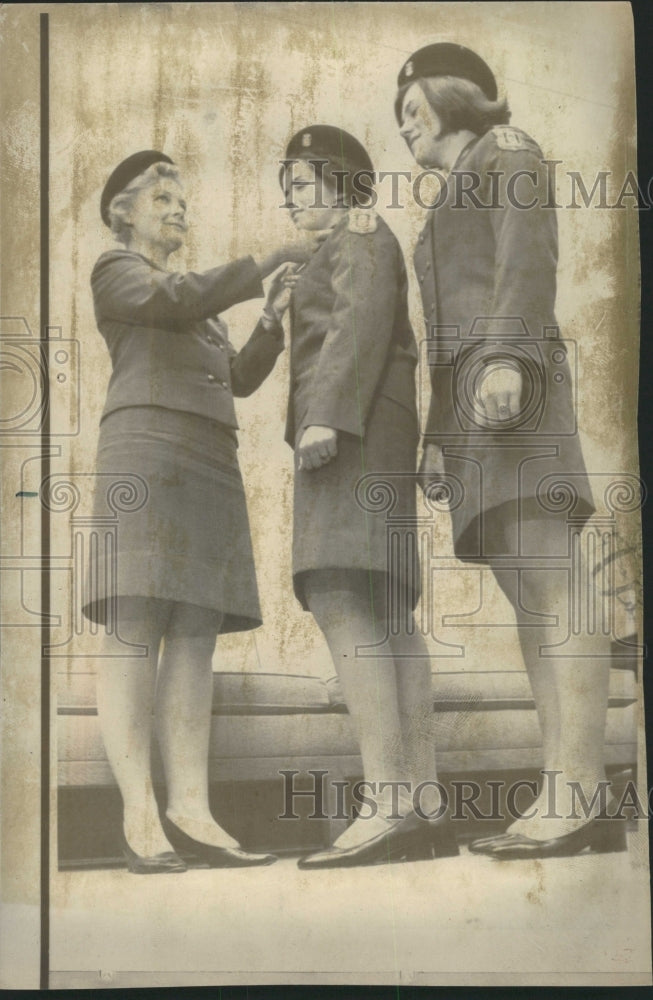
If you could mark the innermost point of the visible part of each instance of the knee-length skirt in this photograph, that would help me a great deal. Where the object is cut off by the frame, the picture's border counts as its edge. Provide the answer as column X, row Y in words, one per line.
column 171, row 516
column 358, row 511
column 519, row 477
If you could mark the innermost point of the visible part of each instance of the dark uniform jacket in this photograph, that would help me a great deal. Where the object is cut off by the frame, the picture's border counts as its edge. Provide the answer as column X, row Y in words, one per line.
column 168, row 346
column 486, row 265
column 351, row 337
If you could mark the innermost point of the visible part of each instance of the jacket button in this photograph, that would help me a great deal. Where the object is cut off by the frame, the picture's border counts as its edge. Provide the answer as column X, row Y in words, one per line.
column 427, row 265
column 211, row 378
column 209, row 340
column 421, row 278
column 421, row 239
column 221, row 347
column 225, row 385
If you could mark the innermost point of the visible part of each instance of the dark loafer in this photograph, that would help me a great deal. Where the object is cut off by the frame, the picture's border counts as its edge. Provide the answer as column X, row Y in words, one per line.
column 214, row 857
column 410, row 839
column 602, row 835
column 157, row 864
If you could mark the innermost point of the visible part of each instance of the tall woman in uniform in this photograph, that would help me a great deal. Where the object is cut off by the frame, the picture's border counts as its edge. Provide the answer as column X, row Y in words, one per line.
column 184, row 570
column 501, row 423
column 352, row 414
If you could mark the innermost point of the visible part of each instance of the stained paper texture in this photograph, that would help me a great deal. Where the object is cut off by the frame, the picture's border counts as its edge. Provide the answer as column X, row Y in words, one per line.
column 221, row 88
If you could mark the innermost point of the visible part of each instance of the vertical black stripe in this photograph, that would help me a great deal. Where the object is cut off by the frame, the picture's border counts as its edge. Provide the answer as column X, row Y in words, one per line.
column 45, row 519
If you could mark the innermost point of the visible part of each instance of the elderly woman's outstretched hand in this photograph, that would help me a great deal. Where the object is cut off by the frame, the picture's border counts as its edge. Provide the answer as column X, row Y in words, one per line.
column 281, row 289
column 301, row 249
column 298, row 251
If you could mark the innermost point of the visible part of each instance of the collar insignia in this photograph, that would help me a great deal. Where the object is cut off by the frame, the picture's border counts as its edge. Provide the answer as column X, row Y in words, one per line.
column 362, row 221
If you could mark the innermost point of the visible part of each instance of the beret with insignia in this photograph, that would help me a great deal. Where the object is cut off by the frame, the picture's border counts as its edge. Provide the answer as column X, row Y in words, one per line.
column 125, row 173
column 328, row 142
column 446, row 59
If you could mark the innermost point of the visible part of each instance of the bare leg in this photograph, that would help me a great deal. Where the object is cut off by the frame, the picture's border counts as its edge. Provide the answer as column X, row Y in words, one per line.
column 571, row 695
column 125, row 699
column 344, row 609
column 183, row 714
column 415, row 700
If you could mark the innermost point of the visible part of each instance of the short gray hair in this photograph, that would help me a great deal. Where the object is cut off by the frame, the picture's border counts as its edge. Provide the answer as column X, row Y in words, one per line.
column 121, row 203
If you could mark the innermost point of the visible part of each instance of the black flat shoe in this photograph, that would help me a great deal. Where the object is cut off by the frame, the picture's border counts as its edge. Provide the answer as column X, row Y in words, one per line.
column 215, row 857
column 410, row 839
column 601, row 835
column 157, row 864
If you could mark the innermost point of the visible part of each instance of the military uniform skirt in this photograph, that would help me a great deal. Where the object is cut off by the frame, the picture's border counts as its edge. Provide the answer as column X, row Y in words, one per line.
column 358, row 511
column 501, row 483
column 172, row 517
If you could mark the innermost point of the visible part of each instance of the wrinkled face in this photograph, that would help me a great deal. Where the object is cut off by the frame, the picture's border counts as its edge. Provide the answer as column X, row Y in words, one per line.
column 306, row 190
column 157, row 215
column 421, row 128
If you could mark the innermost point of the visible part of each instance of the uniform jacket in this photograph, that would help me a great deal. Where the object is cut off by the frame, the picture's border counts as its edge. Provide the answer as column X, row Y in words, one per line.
column 168, row 346
column 488, row 273
column 351, row 337
column 486, row 264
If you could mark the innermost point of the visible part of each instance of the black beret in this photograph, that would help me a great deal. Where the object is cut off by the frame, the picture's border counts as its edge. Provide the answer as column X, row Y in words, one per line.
column 125, row 173
column 447, row 59
column 321, row 142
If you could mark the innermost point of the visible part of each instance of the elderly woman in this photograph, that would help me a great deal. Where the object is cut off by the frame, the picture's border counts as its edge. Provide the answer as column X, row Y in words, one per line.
column 501, row 422
column 184, row 570
column 352, row 414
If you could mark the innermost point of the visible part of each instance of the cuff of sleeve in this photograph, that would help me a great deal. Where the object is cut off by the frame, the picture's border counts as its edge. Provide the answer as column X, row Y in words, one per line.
column 253, row 278
column 343, row 424
column 274, row 335
column 271, row 324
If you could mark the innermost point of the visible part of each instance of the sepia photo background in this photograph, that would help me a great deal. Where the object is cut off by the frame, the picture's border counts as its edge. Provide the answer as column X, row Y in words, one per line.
column 221, row 88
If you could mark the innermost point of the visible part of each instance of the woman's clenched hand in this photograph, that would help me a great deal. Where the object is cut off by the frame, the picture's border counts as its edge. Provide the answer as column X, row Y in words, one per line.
column 318, row 445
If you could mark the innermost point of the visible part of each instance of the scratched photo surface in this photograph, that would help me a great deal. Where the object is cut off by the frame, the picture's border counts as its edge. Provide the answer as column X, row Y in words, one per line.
column 221, row 89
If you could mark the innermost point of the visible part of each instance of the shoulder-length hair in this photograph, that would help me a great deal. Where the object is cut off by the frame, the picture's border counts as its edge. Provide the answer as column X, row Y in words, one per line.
column 459, row 104
column 121, row 203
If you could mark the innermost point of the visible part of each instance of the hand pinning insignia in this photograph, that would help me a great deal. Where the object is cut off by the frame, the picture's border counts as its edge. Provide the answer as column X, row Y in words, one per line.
column 363, row 221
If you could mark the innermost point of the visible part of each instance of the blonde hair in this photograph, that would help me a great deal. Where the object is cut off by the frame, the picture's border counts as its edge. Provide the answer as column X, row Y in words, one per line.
column 121, row 203
column 460, row 104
